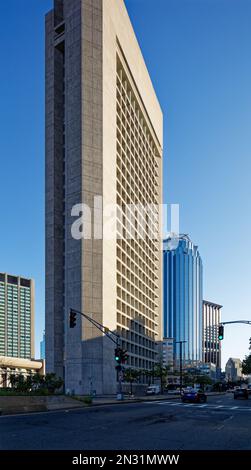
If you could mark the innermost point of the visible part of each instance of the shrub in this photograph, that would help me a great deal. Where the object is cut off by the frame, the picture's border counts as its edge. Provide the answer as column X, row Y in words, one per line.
column 87, row 400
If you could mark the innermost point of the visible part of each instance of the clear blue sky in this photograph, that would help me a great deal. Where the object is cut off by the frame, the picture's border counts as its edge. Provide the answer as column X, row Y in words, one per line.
column 198, row 53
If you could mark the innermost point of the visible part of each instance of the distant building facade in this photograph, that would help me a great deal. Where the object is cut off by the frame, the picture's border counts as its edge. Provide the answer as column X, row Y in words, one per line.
column 10, row 366
column 183, row 319
column 167, row 353
column 211, row 343
column 233, row 370
column 42, row 347
column 16, row 316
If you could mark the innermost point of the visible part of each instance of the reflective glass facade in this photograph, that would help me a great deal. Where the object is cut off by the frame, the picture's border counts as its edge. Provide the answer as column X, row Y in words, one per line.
column 183, row 299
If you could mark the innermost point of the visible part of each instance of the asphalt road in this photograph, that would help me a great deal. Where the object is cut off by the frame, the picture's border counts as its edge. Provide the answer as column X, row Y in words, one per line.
column 222, row 424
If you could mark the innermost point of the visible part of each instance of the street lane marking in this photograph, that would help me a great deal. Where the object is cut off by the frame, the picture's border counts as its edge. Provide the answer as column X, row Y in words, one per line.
column 209, row 406
column 220, row 427
column 175, row 404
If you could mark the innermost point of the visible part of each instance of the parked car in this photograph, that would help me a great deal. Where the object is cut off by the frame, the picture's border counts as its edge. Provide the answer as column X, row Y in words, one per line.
column 193, row 396
column 175, row 391
column 241, row 393
column 153, row 390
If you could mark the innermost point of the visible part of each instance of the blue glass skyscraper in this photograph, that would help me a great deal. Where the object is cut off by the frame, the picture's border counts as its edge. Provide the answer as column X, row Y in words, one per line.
column 183, row 297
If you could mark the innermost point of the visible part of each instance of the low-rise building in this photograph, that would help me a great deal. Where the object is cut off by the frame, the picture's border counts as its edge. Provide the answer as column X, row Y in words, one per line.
column 16, row 366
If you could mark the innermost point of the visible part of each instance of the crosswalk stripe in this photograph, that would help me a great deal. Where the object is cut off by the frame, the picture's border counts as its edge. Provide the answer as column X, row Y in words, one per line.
column 210, row 406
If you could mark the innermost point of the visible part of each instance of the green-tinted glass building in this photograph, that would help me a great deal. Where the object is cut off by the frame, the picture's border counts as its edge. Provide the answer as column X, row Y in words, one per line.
column 16, row 316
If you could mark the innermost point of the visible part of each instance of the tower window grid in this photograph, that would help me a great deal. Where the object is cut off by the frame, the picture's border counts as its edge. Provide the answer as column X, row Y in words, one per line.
column 137, row 258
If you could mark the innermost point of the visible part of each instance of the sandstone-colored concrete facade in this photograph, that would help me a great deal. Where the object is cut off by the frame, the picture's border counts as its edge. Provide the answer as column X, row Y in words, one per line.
column 82, row 158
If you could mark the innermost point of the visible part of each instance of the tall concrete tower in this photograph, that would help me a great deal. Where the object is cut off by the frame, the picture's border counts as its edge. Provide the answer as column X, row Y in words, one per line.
column 103, row 144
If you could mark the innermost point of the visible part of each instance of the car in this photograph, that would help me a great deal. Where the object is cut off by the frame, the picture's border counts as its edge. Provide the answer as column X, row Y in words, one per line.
column 241, row 393
column 193, row 396
column 174, row 391
column 153, row 390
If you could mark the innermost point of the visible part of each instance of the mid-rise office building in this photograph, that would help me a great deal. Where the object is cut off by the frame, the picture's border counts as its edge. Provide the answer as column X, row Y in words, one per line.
column 183, row 321
column 16, row 316
column 103, row 138
column 211, row 343
column 167, row 353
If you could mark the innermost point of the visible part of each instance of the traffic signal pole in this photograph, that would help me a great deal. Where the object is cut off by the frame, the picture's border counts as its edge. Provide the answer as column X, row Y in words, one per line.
column 247, row 322
column 110, row 334
column 221, row 326
column 114, row 337
column 181, row 372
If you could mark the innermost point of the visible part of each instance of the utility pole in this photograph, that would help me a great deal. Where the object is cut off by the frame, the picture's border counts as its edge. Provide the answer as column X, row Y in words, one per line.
column 180, row 343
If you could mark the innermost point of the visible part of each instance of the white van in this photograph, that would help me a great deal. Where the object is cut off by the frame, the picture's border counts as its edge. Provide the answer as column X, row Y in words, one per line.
column 153, row 390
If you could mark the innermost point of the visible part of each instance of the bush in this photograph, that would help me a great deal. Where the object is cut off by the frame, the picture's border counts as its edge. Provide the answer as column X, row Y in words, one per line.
column 87, row 400
column 36, row 384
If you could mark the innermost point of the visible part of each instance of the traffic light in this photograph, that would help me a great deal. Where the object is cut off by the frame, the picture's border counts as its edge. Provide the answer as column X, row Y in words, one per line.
column 73, row 319
column 221, row 332
column 124, row 356
column 120, row 356
column 117, row 355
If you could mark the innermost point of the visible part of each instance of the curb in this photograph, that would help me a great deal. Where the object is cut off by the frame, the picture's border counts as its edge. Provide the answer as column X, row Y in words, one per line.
column 93, row 405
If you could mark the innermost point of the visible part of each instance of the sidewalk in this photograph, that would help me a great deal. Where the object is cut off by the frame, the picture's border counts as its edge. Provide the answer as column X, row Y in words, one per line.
column 111, row 400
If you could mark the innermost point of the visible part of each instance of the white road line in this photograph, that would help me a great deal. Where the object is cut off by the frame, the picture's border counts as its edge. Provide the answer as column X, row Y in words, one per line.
column 209, row 406
column 152, row 402
column 170, row 404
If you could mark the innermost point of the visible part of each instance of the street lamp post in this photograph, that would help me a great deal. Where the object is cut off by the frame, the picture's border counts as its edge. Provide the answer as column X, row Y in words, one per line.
column 180, row 343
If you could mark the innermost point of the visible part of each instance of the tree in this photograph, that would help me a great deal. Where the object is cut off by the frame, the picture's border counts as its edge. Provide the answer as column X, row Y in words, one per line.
column 131, row 375
column 161, row 372
column 246, row 365
column 149, row 373
column 48, row 383
column 20, row 383
column 203, row 380
column 188, row 378
column 52, row 382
